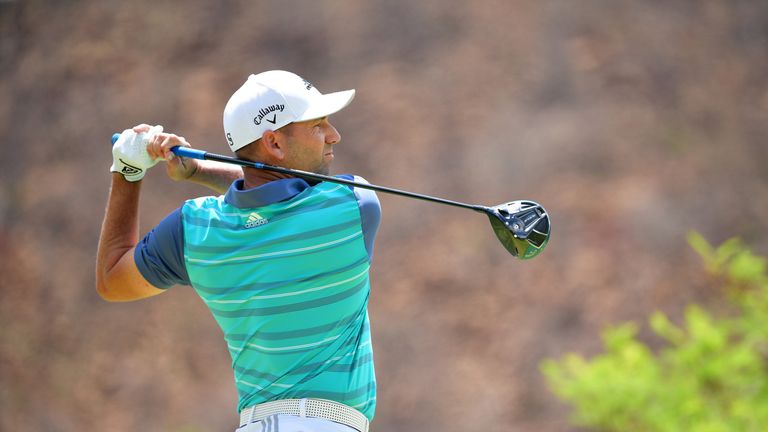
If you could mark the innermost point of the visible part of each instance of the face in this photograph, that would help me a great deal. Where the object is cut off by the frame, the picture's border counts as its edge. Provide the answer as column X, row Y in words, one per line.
column 309, row 145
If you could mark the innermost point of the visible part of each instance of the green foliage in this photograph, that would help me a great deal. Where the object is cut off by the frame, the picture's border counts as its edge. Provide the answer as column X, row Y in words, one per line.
column 711, row 375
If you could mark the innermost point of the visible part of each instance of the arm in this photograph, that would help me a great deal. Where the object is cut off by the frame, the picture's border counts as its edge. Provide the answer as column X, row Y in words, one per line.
column 117, row 277
column 370, row 212
column 214, row 175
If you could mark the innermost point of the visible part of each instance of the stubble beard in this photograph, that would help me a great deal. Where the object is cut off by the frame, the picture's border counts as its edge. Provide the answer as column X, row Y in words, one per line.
column 323, row 169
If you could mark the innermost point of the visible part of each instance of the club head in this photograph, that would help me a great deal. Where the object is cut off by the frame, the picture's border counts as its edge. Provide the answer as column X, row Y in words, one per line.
column 522, row 227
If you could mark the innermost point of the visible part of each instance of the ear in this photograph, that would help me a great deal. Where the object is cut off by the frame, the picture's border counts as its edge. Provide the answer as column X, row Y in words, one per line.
column 273, row 144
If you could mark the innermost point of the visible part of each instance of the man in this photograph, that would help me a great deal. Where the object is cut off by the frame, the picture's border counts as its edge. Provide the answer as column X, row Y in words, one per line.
column 281, row 263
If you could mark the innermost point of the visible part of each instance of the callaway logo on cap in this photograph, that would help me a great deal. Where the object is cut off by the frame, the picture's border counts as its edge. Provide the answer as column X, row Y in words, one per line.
column 273, row 99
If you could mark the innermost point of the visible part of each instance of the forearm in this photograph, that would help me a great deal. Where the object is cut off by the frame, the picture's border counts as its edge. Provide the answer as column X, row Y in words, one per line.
column 215, row 175
column 120, row 229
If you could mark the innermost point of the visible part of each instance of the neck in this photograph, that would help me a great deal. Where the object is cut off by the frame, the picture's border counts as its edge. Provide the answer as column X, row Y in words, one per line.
column 253, row 177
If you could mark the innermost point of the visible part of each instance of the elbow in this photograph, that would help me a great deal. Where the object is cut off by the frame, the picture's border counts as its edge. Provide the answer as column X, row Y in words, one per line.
column 108, row 278
column 103, row 289
column 122, row 281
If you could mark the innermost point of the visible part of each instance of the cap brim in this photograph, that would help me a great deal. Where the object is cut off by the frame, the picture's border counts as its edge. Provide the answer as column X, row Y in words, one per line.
column 327, row 104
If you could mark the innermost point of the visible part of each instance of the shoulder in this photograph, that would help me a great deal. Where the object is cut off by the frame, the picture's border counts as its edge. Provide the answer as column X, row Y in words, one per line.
column 365, row 197
column 206, row 202
column 159, row 255
column 370, row 211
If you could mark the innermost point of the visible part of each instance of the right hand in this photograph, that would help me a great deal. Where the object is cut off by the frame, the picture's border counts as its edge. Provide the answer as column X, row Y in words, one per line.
column 159, row 148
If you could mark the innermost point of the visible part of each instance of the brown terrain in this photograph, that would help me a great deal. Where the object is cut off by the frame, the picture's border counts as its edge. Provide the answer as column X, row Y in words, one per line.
column 633, row 122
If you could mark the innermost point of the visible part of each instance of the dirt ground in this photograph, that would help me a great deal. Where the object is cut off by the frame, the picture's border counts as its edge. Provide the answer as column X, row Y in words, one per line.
column 631, row 122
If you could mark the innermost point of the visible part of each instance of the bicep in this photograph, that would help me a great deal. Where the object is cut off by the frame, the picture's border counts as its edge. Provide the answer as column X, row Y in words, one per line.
column 124, row 281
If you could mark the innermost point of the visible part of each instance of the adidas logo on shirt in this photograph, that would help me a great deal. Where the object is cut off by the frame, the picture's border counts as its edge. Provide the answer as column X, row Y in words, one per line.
column 254, row 220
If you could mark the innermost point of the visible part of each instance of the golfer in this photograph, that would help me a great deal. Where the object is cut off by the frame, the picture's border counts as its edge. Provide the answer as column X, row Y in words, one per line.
column 282, row 263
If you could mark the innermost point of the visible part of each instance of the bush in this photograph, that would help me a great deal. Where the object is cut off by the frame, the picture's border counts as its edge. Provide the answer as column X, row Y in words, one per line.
column 711, row 375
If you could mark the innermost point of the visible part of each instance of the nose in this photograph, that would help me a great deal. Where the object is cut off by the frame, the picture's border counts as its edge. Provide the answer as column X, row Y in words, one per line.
column 332, row 136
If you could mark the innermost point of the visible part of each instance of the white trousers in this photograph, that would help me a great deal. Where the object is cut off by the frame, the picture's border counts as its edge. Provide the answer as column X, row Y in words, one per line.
column 288, row 423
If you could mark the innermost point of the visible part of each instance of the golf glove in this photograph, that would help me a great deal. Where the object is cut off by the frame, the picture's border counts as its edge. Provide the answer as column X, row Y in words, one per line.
column 129, row 154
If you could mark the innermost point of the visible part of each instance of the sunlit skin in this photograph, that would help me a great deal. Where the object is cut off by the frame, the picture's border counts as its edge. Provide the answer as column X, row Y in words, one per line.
column 309, row 145
column 214, row 175
column 306, row 146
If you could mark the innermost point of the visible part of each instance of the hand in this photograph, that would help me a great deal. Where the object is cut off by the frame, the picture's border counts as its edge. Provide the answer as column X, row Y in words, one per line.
column 129, row 153
column 159, row 148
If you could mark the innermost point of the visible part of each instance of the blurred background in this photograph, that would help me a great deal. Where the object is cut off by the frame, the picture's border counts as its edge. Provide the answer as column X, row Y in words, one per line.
column 631, row 122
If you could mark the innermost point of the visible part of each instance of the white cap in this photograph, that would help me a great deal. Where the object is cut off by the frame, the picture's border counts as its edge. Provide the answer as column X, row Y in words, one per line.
column 273, row 99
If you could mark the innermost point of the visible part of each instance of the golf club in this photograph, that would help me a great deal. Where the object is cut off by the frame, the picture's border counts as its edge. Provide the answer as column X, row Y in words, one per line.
column 522, row 226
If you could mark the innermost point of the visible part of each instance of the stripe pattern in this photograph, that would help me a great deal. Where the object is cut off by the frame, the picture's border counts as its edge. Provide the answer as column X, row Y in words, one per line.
column 289, row 293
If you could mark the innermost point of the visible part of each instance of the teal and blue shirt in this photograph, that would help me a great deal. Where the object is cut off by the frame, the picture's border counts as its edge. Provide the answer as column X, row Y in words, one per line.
column 284, row 269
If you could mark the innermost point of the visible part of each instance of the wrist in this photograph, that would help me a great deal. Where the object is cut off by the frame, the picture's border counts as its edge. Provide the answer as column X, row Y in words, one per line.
column 127, row 177
column 118, row 180
column 195, row 171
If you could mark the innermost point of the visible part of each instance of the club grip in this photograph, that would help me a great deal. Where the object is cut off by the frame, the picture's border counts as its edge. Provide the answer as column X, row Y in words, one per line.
column 178, row 150
column 188, row 152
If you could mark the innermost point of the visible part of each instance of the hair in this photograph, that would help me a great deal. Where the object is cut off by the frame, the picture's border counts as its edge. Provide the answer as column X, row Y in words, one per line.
column 251, row 151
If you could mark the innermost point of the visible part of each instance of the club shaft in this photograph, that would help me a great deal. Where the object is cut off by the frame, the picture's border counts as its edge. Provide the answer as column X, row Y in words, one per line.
column 198, row 154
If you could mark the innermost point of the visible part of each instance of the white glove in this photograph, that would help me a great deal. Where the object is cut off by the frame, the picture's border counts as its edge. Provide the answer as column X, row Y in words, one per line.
column 129, row 154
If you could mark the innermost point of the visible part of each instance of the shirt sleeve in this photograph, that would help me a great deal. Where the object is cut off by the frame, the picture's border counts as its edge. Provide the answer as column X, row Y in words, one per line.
column 370, row 212
column 159, row 256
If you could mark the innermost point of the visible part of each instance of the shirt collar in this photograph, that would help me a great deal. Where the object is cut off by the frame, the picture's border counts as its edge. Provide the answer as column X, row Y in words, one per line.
column 268, row 193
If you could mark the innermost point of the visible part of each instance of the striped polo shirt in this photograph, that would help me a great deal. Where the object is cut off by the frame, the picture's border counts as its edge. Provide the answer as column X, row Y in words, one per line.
column 284, row 269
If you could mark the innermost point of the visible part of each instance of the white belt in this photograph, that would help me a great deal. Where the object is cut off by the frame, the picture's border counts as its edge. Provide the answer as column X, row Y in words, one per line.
column 320, row 408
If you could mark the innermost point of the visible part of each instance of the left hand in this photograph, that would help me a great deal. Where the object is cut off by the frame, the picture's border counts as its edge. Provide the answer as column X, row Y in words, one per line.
column 129, row 153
